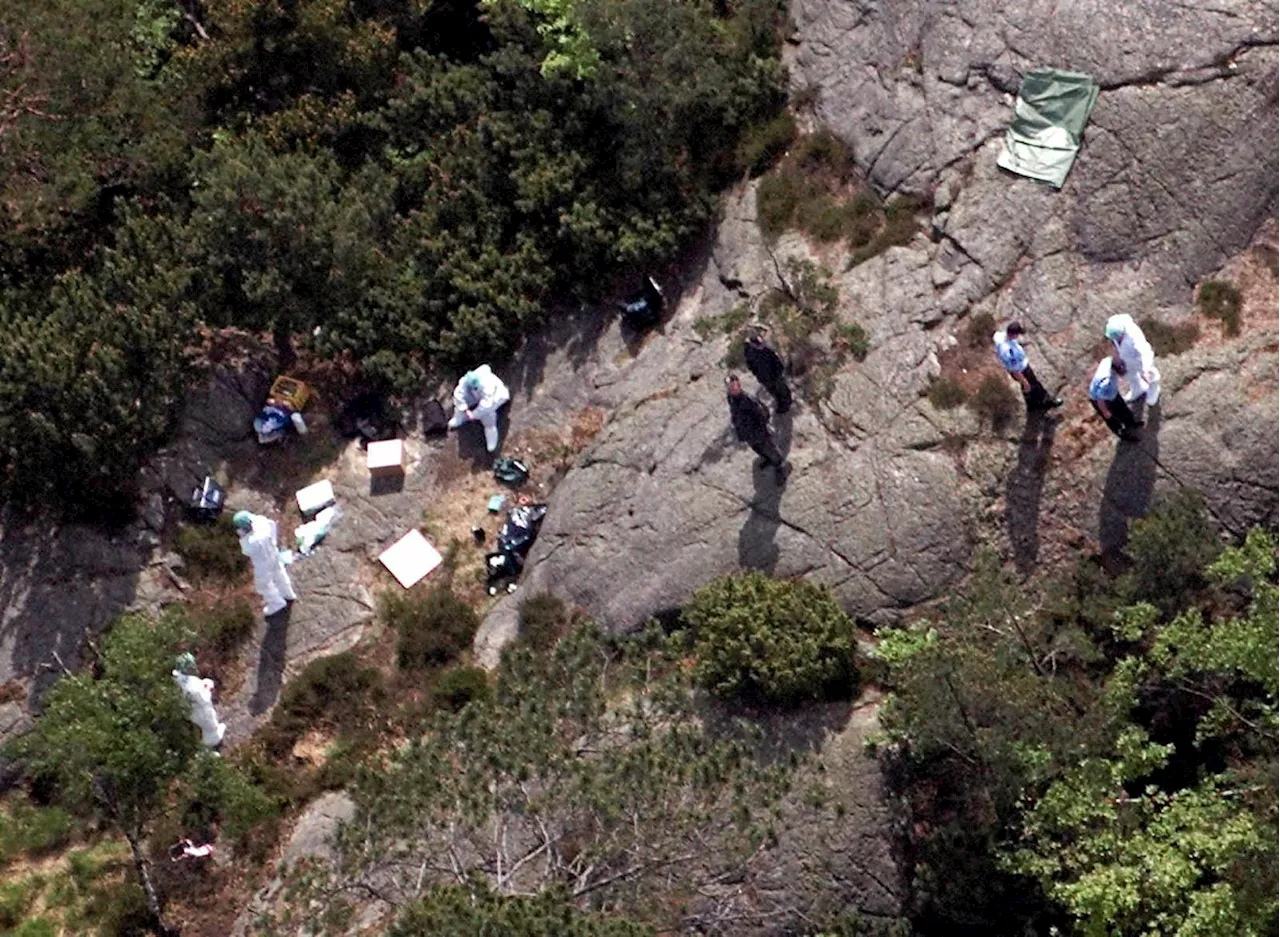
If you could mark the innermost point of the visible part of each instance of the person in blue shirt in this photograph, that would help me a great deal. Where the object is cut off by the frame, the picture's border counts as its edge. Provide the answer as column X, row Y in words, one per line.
column 1104, row 394
column 1014, row 359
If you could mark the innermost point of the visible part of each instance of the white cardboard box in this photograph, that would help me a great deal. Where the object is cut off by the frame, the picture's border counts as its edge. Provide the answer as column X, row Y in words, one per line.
column 385, row 457
column 315, row 497
column 411, row 558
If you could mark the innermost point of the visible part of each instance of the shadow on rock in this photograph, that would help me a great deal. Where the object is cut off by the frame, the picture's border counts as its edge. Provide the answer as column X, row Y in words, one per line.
column 1024, row 487
column 1130, row 483
column 470, row 437
column 271, row 661
column 756, row 546
column 386, row 484
column 57, row 588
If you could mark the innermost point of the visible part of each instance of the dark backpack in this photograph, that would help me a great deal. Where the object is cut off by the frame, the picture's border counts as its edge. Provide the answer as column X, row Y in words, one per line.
column 434, row 421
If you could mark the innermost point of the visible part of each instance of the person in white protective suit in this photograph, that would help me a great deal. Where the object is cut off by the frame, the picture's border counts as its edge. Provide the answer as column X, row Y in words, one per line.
column 1138, row 356
column 478, row 396
column 199, row 695
column 258, row 542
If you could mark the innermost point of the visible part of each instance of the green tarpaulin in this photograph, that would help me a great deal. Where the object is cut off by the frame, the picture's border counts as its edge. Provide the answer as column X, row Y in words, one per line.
column 1048, row 124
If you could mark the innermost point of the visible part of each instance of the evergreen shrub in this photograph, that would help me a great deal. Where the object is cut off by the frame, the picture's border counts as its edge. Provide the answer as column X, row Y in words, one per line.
column 771, row 639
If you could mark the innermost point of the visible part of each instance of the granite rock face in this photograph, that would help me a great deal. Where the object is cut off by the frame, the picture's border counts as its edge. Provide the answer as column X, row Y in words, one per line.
column 1175, row 181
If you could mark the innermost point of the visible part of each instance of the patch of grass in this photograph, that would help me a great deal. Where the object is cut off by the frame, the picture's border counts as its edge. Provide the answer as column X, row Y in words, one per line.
column 224, row 627
column 767, row 143
column 543, row 618
column 851, row 338
column 1170, row 339
column 211, row 552
column 995, row 402
column 458, row 686
column 35, row 927
column 15, row 898
column 336, row 690
column 946, row 393
column 779, row 195
column 433, row 627
column 979, row 329
column 1220, row 300
column 29, row 830
column 900, row 227
column 825, row 152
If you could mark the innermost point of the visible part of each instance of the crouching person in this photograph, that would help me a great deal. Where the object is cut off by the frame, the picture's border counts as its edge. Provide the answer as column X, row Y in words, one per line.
column 479, row 396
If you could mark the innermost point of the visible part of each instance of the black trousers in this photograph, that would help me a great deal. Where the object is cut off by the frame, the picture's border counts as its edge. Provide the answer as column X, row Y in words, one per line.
column 780, row 391
column 1121, row 420
column 767, row 449
column 1037, row 398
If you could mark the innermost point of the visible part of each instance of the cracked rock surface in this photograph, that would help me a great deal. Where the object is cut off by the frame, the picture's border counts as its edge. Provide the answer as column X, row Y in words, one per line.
column 1175, row 182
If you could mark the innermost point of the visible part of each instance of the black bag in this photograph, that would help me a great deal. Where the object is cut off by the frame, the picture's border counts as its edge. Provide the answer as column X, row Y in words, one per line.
column 645, row 310
column 434, row 421
column 207, row 500
column 521, row 528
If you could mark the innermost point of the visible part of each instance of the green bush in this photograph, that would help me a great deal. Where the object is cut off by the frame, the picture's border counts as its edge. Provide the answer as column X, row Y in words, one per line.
column 852, row 338
column 15, row 897
column 824, row 152
column 770, row 639
column 542, row 619
column 1168, row 339
column 29, row 830
column 433, row 627
column 458, row 686
column 766, row 144
column 224, row 627
column 333, row 691
column 35, row 927
column 946, row 393
column 211, row 552
column 1220, row 300
column 995, row 401
column 1170, row 549
column 119, row 910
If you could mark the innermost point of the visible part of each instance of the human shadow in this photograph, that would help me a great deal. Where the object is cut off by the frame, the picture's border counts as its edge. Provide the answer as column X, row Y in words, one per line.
column 1131, row 479
column 1024, row 487
column 271, row 661
column 470, row 436
column 757, row 548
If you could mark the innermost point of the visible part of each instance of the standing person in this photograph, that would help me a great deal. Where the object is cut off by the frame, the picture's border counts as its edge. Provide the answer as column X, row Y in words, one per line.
column 1014, row 358
column 479, row 396
column 258, row 542
column 1104, row 394
column 768, row 368
column 751, row 423
column 1138, row 356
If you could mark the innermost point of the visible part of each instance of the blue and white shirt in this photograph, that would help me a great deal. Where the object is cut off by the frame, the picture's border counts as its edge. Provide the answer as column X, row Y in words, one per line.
column 1105, row 385
column 1010, row 353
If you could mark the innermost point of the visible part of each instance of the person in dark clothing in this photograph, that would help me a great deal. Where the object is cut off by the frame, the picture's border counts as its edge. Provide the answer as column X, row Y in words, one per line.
column 768, row 368
column 751, row 424
column 1014, row 359
column 1104, row 394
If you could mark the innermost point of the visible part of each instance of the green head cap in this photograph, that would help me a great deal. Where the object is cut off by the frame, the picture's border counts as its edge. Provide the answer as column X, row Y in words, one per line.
column 186, row 663
column 243, row 520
